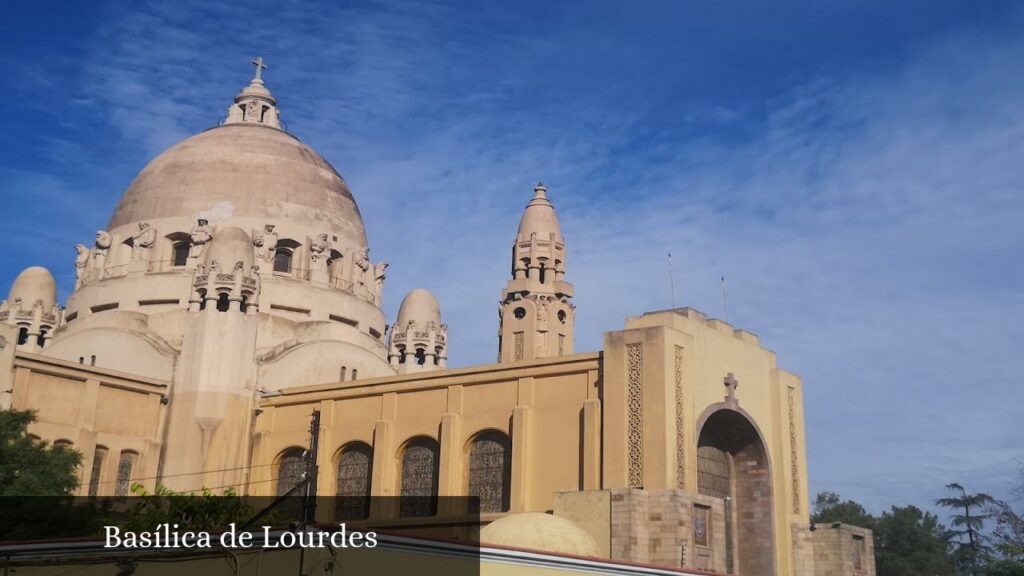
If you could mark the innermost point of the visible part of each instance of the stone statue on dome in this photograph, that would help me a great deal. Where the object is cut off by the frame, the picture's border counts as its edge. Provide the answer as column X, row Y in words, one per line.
column 319, row 252
column 143, row 241
column 199, row 237
column 100, row 250
column 265, row 242
column 378, row 281
column 81, row 263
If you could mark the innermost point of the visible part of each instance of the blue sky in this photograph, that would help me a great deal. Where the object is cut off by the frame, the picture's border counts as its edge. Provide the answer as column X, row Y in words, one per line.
column 855, row 170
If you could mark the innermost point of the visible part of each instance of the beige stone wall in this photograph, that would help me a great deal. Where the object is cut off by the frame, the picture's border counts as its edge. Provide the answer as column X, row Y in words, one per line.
column 648, row 527
column 542, row 406
column 91, row 407
column 664, row 376
column 833, row 550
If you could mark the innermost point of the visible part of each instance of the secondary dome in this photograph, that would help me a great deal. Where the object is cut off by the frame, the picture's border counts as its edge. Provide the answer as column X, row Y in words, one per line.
column 419, row 305
column 539, row 217
column 255, row 171
column 34, row 283
column 539, row 531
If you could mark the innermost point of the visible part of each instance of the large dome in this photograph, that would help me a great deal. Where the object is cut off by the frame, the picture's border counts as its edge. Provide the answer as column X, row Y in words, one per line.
column 244, row 171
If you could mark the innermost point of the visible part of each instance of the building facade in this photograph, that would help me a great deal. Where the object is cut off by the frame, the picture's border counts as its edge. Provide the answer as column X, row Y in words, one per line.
column 232, row 294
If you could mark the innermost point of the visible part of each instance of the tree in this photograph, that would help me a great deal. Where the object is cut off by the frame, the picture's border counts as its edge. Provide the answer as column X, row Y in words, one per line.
column 31, row 467
column 910, row 542
column 968, row 519
column 829, row 508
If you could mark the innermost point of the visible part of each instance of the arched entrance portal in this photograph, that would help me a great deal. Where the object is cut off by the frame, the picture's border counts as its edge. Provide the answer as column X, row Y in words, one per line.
column 732, row 464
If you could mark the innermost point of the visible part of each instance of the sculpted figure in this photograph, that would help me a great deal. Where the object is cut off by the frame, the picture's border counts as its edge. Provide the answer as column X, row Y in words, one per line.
column 200, row 236
column 143, row 241
column 100, row 249
column 361, row 271
column 378, row 281
column 319, row 250
column 81, row 262
column 265, row 242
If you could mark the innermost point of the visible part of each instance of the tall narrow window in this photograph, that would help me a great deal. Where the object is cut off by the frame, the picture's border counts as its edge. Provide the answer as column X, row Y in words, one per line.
column 223, row 302
column 98, row 459
column 290, row 470
column 179, row 253
column 283, row 260
column 22, row 335
column 419, row 478
column 125, row 466
column 354, row 473
column 490, row 471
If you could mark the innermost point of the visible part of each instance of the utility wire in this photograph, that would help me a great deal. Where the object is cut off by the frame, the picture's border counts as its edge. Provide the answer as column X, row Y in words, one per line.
column 188, row 474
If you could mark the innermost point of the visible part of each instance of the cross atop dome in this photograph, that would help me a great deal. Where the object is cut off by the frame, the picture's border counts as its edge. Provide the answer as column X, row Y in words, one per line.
column 260, row 67
column 255, row 104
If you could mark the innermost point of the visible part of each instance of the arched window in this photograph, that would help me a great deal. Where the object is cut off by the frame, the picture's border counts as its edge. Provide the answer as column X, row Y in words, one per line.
column 291, row 468
column 401, row 354
column 179, row 253
column 283, row 260
column 355, row 373
column 419, row 478
column 284, row 255
column 99, row 458
column 125, row 467
column 41, row 338
column 344, row 372
column 421, row 356
column 22, row 335
column 223, row 302
column 354, row 473
column 490, row 471
column 63, row 442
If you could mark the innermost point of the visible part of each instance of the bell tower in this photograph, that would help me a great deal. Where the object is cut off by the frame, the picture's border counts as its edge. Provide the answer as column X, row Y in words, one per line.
column 536, row 317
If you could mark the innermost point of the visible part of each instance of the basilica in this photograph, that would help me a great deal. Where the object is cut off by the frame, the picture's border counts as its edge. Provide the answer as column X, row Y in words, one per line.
column 232, row 296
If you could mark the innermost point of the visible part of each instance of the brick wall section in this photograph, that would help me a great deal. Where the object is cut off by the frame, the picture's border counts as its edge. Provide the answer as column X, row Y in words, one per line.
column 755, row 551
column 655, row 527
column 829, row 550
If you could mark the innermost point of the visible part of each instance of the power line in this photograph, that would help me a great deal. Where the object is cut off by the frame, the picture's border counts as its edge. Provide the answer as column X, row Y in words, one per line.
column 187, row 474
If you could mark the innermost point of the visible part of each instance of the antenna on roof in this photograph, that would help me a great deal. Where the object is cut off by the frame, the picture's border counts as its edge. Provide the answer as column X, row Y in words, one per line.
column 671, row 280
column 725, row 301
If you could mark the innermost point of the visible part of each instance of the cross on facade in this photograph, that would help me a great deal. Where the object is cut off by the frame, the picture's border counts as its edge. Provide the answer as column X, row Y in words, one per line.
column 260, row 67
column 731, row 384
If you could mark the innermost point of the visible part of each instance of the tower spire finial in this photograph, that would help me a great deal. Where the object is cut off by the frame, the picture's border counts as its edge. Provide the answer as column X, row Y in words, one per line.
column 255, row 103
column 260, row 67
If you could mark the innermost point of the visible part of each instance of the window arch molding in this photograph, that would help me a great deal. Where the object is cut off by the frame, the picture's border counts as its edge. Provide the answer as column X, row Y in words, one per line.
column 488, row 469
column 289, row 465
column 178, row 245
column 419, row 461
column 354, row 465
column 285, row 256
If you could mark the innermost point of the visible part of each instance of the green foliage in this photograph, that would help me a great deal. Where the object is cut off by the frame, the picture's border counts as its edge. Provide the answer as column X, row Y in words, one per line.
column 910, row 542
column 829, row 508
column 203, row 511
column 30, row 467
column 968, row 519
column 1004, row 568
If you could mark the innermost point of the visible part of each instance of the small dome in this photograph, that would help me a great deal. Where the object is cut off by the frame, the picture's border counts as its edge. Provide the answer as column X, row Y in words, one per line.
column 419, row 306
column 34, row 283
column 229, row 246
column 539, row 218
column 539, row 531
